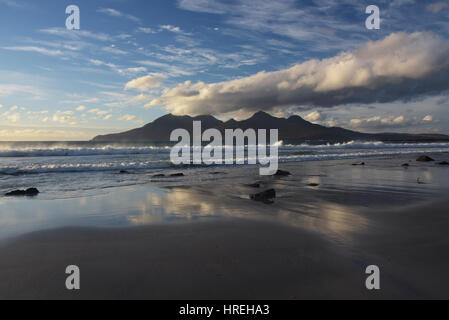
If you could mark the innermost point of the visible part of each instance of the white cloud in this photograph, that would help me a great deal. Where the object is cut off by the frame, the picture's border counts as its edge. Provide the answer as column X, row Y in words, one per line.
column 171, row 28
column 146, row 30
column 45, row 134
column 135, row 70
column 114, row 50
column 313, row 116
column 64, row 117
column 401, row 66
column 169, row 69
column 80, row 108
column 203, row 6
column 115, row 13
column 127, row 117
column 378, row 122
column 63, row 32
column 98, row 112
column 283, row 17
column 107, row 117
column 7, row 89
column 145, row 83
column 40, row 50
column 13, row 117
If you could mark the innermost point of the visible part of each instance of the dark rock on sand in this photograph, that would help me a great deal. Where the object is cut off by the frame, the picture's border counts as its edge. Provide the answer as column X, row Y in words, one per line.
column 123, row 172
column 359, row 164
column 418, row 181
column 217, row 172
column 254, row 185
column 282, row 173
column 313, row 184
column 265, row 196
column 31, row 192
column 159, row 176
column 405, row 165
column 424, row 159
column 444, row 163
column 177, row 175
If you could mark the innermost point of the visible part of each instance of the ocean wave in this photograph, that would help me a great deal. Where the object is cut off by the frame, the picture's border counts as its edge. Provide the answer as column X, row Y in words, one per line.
column 80, row 168
column 356, row 155
column 366, row 145
column 74, row 151
column 37, row 168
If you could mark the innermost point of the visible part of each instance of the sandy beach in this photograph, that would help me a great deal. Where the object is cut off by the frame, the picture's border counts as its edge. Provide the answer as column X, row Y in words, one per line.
column 330, row 220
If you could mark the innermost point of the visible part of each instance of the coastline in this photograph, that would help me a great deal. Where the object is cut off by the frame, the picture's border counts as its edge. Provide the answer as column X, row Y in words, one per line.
column 208, row 240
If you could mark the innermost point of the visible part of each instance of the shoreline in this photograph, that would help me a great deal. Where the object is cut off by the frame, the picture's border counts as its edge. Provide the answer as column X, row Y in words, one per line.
column 208, row 240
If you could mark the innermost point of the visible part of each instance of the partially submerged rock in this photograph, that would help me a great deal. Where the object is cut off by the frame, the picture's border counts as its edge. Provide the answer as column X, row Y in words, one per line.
column 444, row 163
column 31, row 192
column 359, row 164
column 424, row 158
column 123, row 172
column 265, row 196
column 254, row 185
column 405, row 165
column 282, row 173
column 177, row 175
column 159, row 176
column 418, row 181
column 313, row 184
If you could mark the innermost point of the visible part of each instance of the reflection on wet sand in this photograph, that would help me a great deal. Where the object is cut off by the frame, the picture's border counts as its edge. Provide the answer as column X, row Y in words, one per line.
column 332, row 198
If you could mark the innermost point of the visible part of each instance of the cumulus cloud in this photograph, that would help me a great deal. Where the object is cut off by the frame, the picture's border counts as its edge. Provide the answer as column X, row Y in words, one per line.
column 127, row 117
column 313, row 116
column 65, row 117
column 400, row 67
column 378, row 122
column 145, row 83
column 98, row 112
column 80, row 108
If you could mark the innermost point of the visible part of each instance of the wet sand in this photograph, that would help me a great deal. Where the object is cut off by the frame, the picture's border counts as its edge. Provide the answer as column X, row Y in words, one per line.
column 313, row 242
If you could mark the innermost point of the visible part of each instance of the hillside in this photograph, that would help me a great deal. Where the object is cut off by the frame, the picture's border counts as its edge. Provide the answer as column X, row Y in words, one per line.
column 292, row 129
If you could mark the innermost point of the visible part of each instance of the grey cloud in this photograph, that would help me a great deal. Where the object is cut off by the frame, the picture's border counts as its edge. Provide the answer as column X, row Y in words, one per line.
column 401, row 67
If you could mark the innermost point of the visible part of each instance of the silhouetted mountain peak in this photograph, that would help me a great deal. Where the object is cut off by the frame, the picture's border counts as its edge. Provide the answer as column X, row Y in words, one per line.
column 262, row 115
column 294, row 128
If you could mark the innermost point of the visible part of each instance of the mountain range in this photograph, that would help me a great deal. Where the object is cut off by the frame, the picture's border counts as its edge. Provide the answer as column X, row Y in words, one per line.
column 290, row 129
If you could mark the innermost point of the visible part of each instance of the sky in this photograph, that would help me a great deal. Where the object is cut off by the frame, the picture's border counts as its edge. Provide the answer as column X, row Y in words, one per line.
column 133, row 61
